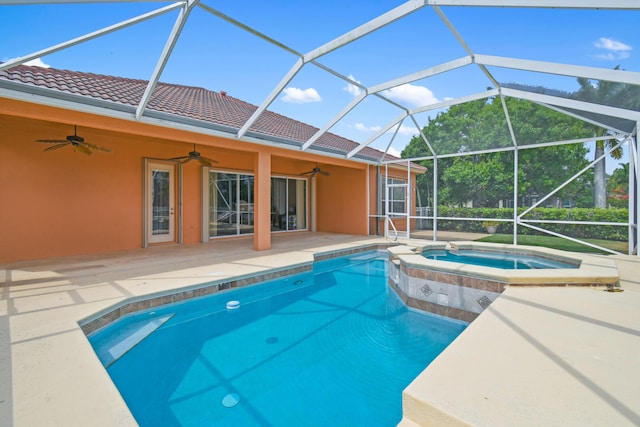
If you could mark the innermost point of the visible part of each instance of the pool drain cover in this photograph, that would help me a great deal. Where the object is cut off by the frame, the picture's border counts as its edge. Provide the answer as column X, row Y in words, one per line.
column 230, row 400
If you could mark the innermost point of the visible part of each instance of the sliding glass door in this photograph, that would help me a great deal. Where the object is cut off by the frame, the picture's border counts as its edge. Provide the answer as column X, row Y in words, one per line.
column 231, row 209
column 230, row 204
column 288, row 204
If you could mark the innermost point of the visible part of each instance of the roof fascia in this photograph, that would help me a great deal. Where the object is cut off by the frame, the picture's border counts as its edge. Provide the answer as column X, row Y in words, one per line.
column 68, row 101
column 52, row 98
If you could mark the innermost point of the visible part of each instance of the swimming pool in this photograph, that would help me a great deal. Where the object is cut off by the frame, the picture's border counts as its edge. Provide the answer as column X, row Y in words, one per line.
column 495, row 259
column 334, row 346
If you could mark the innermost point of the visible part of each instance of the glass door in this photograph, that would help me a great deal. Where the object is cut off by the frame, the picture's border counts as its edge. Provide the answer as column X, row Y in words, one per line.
column 230, row 204
column 288, row 204
column 161, row 218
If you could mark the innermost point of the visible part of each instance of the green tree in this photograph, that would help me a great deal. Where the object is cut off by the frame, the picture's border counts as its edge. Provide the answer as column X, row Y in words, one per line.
column 485, row 179
column 608, row 93
column 618, row 187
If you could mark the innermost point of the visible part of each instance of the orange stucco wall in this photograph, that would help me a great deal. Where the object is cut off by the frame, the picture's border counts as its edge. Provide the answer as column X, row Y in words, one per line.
column 341, row 201
column 62, row 202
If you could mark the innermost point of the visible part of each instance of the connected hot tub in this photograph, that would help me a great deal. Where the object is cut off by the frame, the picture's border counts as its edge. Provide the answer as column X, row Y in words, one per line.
column 448, row 286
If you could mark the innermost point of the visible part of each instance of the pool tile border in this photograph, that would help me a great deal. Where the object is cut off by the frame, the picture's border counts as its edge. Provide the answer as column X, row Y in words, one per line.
column 433, row 308
column 464, row 297
column 462, row 291
column 128, row 306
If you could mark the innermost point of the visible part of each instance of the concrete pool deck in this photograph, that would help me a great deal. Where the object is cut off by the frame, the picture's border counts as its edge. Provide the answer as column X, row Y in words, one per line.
column 536, row 356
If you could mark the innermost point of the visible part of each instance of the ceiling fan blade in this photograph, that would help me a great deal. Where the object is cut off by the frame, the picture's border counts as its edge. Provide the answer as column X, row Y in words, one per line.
column 53, row 141
column 324, row 173
column 55, row 147
column 205, row 162
column 83, row 149
column 97, row 147
column 179, row 159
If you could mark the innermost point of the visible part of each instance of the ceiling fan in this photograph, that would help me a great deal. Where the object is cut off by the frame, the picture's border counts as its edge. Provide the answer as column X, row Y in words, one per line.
column 313, row 172
column 194, row 155
column 76, row 141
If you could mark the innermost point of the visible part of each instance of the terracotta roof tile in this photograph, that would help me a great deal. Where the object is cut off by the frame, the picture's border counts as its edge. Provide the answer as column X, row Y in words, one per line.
column 186, row 101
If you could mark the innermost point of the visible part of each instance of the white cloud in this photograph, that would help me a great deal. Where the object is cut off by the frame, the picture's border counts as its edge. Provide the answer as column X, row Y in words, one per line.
column 407, row 130
column 37, row 63
column 295, row 95
column 33, row 63
column 416, row 96
column 392, row 151
column 351, row 88
column 615, row 50
column 364, row 128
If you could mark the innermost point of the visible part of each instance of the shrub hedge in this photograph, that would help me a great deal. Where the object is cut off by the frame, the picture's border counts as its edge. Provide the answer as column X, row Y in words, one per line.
column 580, row 231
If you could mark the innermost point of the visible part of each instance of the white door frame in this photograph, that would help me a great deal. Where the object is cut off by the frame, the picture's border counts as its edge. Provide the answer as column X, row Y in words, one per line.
column 172, row 214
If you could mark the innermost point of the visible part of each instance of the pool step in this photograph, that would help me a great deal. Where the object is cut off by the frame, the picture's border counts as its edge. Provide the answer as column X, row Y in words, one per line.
column 111, row 349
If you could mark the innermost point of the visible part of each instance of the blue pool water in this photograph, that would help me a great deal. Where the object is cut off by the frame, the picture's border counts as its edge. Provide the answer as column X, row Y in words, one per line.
column 330, row 347
column 504, row 260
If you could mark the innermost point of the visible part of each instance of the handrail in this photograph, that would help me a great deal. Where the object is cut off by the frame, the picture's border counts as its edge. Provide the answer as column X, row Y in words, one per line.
column 388, row 219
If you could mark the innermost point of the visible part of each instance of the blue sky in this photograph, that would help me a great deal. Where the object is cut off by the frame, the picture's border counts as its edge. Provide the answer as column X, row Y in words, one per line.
column 212, row 53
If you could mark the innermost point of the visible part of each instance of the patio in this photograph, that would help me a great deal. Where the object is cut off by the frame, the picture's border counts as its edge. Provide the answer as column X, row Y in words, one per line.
column 558, row 356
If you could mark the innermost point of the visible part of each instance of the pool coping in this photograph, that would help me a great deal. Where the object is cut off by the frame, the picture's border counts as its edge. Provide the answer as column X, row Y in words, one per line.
column 51, row 376
column 593, row 271
column 94, row 322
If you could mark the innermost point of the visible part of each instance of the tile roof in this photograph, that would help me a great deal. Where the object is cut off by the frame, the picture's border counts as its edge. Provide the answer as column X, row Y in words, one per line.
column 185, row 101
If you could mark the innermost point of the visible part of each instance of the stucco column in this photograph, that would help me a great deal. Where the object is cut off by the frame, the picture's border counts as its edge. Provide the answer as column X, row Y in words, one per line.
column 262, row 201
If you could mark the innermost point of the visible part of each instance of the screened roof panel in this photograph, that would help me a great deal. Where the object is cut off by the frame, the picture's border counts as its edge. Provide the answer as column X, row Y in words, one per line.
column 615, row 123
column 54, row 24
column 597, row 38
column 396, row 49
column 312, row 96
column 204, row 57
column 262, row 53
column 476, row 128
column 303, row 26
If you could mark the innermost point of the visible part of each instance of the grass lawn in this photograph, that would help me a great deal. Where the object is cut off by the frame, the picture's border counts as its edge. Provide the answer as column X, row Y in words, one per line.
column 557, row 243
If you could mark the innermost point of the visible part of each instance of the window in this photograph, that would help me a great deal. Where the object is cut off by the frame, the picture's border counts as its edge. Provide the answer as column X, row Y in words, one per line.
column 288, row 204
column 230, row 204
